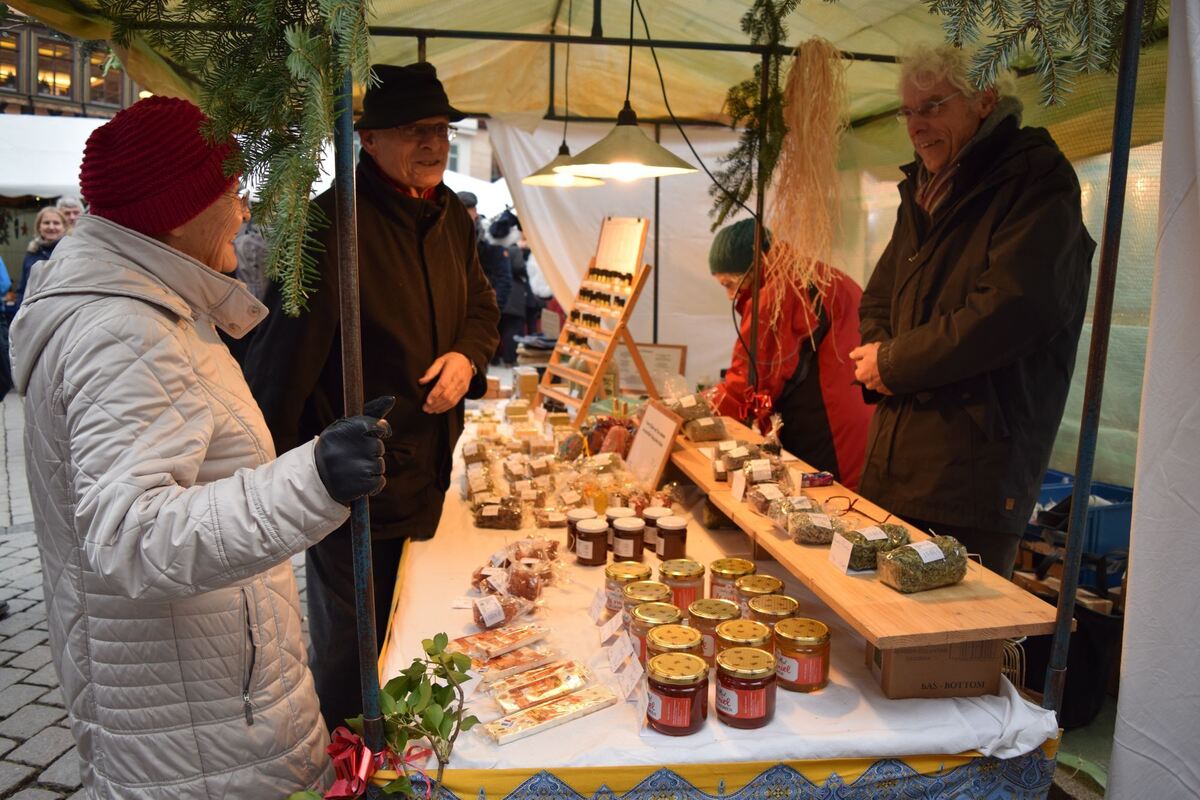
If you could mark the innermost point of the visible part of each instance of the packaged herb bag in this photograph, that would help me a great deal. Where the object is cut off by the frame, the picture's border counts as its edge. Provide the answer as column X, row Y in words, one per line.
column 930, row 564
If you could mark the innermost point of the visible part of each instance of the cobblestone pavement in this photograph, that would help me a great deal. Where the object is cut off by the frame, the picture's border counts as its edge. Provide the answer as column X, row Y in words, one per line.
column 37, row 754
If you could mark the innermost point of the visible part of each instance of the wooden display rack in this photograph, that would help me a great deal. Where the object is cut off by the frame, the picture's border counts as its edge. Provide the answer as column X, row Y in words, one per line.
column 983, row 606
column 622, row 240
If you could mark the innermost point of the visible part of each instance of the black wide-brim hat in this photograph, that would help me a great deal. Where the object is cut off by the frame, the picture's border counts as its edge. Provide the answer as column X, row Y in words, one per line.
column 403, row 95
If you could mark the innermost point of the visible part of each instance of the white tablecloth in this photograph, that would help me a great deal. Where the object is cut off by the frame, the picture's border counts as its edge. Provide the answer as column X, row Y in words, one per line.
column 850, row 718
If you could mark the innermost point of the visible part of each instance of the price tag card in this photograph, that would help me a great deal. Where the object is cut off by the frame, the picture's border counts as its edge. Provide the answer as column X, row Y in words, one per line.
column 873, row 533
column 621, row 649
column 570, row 498
column 462, row 602
column 610, row 628
column 629, row 677
column 928, row 551
column 738, row 485
column 596, row 609
column 839, row 552
column 499, row 557
column 820, row 520
column 708, row 452
column 725, row 445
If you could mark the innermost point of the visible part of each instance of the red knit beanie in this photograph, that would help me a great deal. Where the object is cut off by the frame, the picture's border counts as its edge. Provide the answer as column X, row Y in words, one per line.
column 150, row 168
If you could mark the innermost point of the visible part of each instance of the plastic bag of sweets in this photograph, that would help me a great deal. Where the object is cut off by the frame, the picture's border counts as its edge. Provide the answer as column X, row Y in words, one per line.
column 920, row 566
column 504, row 515
column 762, row 495
column 767, row 469
column 541, row 465
column 691, row 406
column 516, row 468
column 735, row 457
column 867, row 543
column 475, row 452
column 705, row 429
column 807, row 528
column 495, row 610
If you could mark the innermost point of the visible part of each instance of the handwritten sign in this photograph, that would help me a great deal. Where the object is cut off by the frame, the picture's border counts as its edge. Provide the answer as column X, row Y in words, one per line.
column 653, row 443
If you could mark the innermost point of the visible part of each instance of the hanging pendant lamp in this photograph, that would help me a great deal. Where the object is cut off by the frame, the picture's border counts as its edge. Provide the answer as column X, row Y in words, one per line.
column 548, row 174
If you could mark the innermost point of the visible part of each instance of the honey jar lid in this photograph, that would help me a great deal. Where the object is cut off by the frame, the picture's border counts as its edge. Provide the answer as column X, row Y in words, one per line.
column 672, row 523
column 758, row 584
column 712, row 608
column 680, row 568
column 655, row 512
column 731, row 567
column 630, row 524
column 594, row 525
column 627, row 572
column 616, row 512
column 580, row 514
column 801, row 630
column 673, row 636
column 746, row 662
column 647, row 591
column 744, row 632
column 679, row 669
column 774, row 605
column 656, row 613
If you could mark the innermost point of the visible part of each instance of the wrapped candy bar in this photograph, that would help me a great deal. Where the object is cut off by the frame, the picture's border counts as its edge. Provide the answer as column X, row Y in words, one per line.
column 540, row 685
column 808, row 479
column 479, row 483
column 705, row 429
column 492, row 644
column 806, row 528
column 867, row 543
column 504, row 515
column 691, row 407
column 929, row 564
column 550, row 714
column 762, row 495
column 512, row 663
column 495, row 610
column 475, row 453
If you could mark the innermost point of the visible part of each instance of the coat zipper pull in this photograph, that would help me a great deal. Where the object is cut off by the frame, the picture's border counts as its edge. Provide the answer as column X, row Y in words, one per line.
column 247, row 708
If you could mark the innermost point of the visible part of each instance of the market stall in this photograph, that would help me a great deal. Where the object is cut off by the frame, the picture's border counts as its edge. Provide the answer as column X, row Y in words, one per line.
column 847, row 735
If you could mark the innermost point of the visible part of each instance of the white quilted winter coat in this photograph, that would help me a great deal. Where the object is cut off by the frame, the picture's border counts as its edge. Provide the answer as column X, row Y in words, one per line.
column 165, row 524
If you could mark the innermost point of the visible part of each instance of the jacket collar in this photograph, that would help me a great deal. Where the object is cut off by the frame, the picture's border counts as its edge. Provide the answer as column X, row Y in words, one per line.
column 420, row 213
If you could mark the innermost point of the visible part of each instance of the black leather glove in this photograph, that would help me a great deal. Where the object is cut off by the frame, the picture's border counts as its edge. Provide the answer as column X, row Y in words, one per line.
column 349, row 453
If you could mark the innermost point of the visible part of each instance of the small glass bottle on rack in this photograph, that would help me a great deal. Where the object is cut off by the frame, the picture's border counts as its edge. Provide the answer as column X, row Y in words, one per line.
column 638, row 592
column 802, row 650
column 646, row 617
column 745, row 687
column 772, row 608
column 743, row 633
column 619, row 575
column 652, row 514
column 673, row 638
column 678, row 694
column 591, row 542
column 724, row 572
column 627, row 538
column 748, row 587
column 704, row 615
column 672, row 538
column 686, row 579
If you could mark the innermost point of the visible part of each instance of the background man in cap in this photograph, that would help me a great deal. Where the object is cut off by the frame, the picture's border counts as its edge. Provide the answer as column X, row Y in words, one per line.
column 495, row 259
column 429, row 329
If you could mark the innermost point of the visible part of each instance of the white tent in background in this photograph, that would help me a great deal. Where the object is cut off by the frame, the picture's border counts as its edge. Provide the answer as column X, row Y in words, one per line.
column 40, row 155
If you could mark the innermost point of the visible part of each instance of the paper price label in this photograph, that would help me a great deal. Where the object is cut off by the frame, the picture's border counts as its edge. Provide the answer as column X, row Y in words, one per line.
column 499, row 557
column 928, row 551
column 490, row 610
column 738, row 487
column 725, row 445
column 596, row 609
column 499, row 582
column 839, row 552
column 629, row 677
column 621, row 649
column 706, row 422
column 708, row 453
column 739, row 452
column 873, row 533
column 820, row 520
column 491, row 511
column 470, row 449
column 687, row 402
column 771, row 492
column 492, row 571
column 610, row 628
column 570, row 498
column 800, row 503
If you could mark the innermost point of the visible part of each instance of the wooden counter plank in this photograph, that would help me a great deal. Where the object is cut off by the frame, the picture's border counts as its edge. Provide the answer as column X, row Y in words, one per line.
column 983, row 606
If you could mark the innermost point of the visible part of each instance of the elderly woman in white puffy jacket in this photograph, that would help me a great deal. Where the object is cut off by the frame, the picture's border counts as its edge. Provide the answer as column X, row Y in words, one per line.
column 164, row 518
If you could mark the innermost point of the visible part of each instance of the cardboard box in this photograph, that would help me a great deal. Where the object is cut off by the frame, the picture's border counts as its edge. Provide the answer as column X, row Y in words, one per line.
column 966, row 669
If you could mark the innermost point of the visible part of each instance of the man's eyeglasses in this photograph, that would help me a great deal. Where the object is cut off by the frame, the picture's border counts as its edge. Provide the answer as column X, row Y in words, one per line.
column 419, row 133
column 926, row 110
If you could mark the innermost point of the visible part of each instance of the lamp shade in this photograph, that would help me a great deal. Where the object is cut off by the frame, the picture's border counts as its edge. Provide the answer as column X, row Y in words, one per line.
column 627, row 154
column 547, row 176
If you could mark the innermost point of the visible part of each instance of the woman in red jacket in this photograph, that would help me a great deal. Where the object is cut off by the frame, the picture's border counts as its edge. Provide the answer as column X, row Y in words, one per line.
column 803, row 363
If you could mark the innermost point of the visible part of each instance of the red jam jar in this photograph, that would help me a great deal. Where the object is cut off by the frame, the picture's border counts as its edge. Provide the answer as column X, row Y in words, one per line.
column 652, row 514
column 705, row 615
column 619, row 575
column 748, row 587
column 802, row 647
column 574, row 517
column 591, row 542
column 672, row 538
column 723, row 573
column 648, row 616
column 745, row 687
column 678, row 695
column 686, row 579
column 627, row 538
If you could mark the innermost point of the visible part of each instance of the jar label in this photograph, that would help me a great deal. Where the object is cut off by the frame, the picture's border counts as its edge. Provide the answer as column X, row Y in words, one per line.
column 742, row 703
column 583, row 548
column 708, row 644
column 805, row 670
column 722, row 590
column 684, row 596
column 614, row 598
column 650, row 539
column 641, row 647
column 674, row 712
column 623, row 547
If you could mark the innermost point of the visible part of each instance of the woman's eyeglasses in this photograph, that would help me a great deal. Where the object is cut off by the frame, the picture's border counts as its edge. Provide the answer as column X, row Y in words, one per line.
column 927, row 110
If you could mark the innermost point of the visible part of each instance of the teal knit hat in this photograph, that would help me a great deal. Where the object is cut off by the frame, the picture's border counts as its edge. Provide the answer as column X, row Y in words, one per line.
column 732, row 249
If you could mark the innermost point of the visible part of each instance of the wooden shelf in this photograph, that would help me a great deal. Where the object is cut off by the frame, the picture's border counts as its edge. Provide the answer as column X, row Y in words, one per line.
column 983, row 606
column 573, row 375
column 554, row 394
column 591, row 333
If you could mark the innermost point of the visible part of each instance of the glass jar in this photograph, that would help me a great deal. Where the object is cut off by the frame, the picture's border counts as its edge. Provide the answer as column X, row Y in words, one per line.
column 704, row 615
column 672, row 538
column 613, row 513
column 686, row 579
column 616, row 577
column 574, row 517
column 745, row 687
column 770, row 609
column 802, row 649
column 724, row 572
column 591, row 542
column 627, row 538
column 673, row 638
column 751, row 586
column 638, row 592
column 743, row 633
column 678, row 694
column 647, row 616
column 652, row 514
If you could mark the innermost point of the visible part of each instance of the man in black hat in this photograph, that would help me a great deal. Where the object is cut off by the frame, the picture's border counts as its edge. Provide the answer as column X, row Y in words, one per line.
column 429, row 321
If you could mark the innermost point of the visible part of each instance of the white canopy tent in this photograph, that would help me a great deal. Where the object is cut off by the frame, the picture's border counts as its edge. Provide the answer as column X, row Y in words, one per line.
column 40, row 156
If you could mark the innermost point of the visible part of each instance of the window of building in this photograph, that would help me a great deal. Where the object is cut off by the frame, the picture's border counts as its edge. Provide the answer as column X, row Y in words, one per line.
column 54, row 62
column 103, row 88
column 452, row 161
column 10, row 61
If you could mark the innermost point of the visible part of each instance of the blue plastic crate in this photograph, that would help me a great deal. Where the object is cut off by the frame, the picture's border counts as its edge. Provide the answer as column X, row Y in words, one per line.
column 1107, row 527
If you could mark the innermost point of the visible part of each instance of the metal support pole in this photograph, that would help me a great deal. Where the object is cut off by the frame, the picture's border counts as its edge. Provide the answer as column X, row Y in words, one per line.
column 421, row 49
column 759, row 232
column 657, row 187
column 597, row 20
column 1110, row 245
column 550, row 97
column 352, row 390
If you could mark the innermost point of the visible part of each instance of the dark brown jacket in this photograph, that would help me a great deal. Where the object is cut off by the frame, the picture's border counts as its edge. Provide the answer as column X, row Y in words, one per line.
column 978, row 311
column 423, row 294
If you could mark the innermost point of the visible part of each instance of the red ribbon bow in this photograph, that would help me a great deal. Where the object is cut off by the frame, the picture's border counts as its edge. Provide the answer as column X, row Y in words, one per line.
column 758, row 408
column 353, row 764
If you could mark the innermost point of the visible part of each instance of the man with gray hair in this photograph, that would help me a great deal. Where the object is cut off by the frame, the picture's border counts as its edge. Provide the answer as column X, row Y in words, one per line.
column 971, row 319
column 71, row 209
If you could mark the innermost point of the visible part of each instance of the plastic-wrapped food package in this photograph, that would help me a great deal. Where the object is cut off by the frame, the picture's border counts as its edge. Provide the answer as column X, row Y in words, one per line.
column 779, row 510
column 541, row 446
column 806, row 528
column 570, row 447
column 545, row 517
column 736, row 457
column 526, row 579
column 920, row 566
column 617, row 440
column 491, row 644
column 720, row 472
column 814, row 479
column 767, row 469
column 540, row 685
column 604, row 463
column 504, row 515
column 517, row 410
column 705, row 429
column 540, row 466
column 475, row 453
column 496, row 610
column 550, row 714
column 691, row 407
column 479, row 483
column 516, row 468
column 762, row 495
column 867, row 543
column 511, row 663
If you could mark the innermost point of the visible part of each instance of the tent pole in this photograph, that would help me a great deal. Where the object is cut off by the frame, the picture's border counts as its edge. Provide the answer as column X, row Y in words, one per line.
column 1056, row 671
column 764, row 86
column 657, row 188
column 352, row 391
